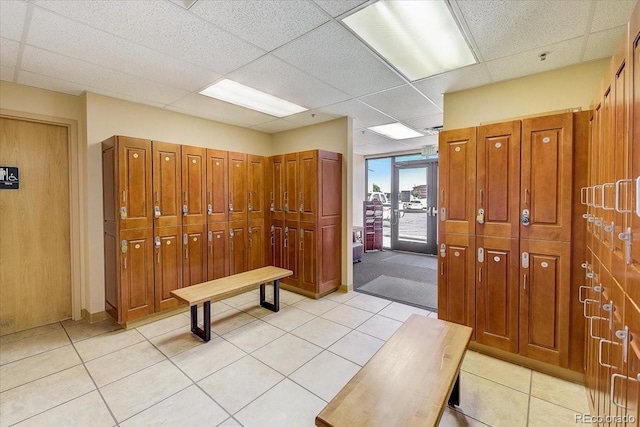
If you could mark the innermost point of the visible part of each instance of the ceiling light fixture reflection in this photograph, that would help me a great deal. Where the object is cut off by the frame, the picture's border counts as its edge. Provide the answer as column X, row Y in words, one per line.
column 395, row 131
column 245, row 96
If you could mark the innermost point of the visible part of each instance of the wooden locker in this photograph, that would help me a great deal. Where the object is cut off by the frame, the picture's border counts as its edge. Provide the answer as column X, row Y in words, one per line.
column 604, row 201
column 194, row 176
column 237, row 187
column 498, row 180
column 546, row 178
column 217, row 185
column 238, row 247
column 218, row 252
column 497, row 292
column 256, row 247
column 308, row 260
column 306, row 201
column 456, row 279
column 631, row 383
column 632, row 279
column 617, row 360
column 194, row 248
column 328, row 191
column 256, row 177
column 329, row 237
column 276, row 187
column 291, row 251
column 112, row 289
column 167, row 178
column 136, row 273
column 594, row 178
column 167, row 265
column 544, row 301
column 457, row 181
column 291, row 187
column 276, row 232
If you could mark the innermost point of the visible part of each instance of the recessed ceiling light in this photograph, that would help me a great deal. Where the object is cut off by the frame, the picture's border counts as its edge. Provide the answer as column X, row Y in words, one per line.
column 419, row 38
column 395, row 131
column 245, row 96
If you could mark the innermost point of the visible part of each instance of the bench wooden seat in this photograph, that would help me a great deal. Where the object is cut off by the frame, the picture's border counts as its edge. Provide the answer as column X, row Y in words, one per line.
column 407, row 382
column 226, row 287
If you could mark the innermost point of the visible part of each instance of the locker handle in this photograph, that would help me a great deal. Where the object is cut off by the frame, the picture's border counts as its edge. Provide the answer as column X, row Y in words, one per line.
column 584, row 307
column 582, row 300
column 209, row 196
column 617, row 198
column 442, row 268
column 157, row 257
column 613, row 389
column 481, row 198
column 526, row 197
column 124, row 196
column 623, row 335
column 525, row 282
column 480, row 275
column 186, row 253
column 286, row 243
column 604, row 192
column 595, row 196
column 155, row 197
column 583, row 196
column 273, row 241
column 125, row 263
column 605, row 365
column 301, row 244
column 638, row 196
column 591, row 334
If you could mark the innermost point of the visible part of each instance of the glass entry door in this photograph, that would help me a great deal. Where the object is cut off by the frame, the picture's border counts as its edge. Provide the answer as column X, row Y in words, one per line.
column 414, row 207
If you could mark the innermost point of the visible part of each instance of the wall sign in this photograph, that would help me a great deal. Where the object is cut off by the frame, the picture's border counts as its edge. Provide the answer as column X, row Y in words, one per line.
column 9, row 178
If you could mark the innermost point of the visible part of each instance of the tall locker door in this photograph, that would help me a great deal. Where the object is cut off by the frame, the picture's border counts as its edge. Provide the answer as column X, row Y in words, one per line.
column 218, row 252
column 328, row 250
column 237, row 247
column 633, row 269
column 617, row 357
column 276, row 187
column 194, row 176
column 498, row 171
column 546, row 182
column 632, row 321
column 194, row 242
column 592, row 302
column 456, row 279
column 256, row 177
column 308, row 260
column 594, row 179
column 291, row 187
column 237, row 187
column 307, row 198
column 605, row 335
column 497, row 292
column 217, row 186
column 277, row 257
column 603, row 191
column 136, row 273
column 328, row 190
column 256, row 248
column 167, row 178
column 292, row 252
column 168, row 265
column 544, row 301
column 134, row 183
column 457, row 181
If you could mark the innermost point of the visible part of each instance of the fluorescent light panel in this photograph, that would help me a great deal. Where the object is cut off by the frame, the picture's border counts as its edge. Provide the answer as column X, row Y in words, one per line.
column 419, row 38
column 245, row 96
column 395, row 131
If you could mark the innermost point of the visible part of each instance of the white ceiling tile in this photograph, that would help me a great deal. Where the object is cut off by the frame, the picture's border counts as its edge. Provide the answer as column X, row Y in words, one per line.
column 6, row 73
column 611, row 13
column 12, row 16
column 526, row 63
column 307, row 118
column 53, row 65
column 421, row 123
column 274, row 76
column 401, row 103
column 373, row 149
column 460, row 79
column 49, row 83
column 603, row 44
column 9, row 52
column 419, row 142
column 501, row 28
column 363, row 115
column 266, row 24
column 66, row 37
column 366, row 137
column 162, row 26
column 338, row 7
column 335, row 56
column 275, row 126
column 204, row 106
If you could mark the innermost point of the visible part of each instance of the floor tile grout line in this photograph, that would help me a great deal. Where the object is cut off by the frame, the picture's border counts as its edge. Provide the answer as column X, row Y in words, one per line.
column 529, row 396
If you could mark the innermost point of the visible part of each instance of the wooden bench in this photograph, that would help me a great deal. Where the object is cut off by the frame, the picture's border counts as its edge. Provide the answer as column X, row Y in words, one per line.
column 226, row 287
column 407, row 382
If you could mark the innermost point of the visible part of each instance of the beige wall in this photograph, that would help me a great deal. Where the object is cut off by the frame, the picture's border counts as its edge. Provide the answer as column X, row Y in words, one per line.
column 569, row 87
column 359, row 179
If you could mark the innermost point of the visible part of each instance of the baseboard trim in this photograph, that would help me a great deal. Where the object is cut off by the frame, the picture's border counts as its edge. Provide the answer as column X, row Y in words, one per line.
column 94, row 317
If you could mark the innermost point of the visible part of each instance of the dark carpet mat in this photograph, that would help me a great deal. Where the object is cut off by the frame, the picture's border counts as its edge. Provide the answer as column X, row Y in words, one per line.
column 403, row 290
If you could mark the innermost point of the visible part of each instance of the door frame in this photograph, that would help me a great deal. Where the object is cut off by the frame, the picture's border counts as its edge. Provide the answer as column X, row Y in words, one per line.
column 78, row 245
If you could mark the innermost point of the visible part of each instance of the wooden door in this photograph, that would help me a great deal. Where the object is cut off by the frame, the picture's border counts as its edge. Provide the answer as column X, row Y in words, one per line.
column 632, row 321
column 167, row 178
column 456, row 279
column 307, row 199
column 217, row 185
column 167, row 265
column 194, row 176
column 35, row 260
column 277, row 256
column 237, row 187
column 256, row 177
column 457, row 181
column 292, row 252
column 546, row 180
column 595, row 177
column 136, row 273
column 276, row 187
column 498, row 185
column 256, row 248
column 632, row 278
column 238, row 247
column 328, row 189
column 617, row 359
column 218, row 255
column 291, row 187
column 497, row 292
column 133, row 169
column 308, row 260
column 194, row 241
column 603, row 191
column 544, row 301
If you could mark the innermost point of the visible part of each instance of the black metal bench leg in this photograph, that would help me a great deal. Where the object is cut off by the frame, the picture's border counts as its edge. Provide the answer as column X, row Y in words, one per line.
column 276, row 297
column 454, row 397
column 204, row 333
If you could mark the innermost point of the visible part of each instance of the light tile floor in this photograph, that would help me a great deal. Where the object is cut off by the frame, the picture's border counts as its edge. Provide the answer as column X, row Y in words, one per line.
column 259, row 369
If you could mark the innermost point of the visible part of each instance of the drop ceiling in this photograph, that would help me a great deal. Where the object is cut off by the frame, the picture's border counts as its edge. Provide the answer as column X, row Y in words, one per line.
column 162, row 52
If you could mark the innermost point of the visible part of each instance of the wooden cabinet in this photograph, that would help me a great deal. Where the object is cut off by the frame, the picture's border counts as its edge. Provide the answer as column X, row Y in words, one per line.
column 256, row 247
column 276, row 187
column 308, row 186
column 218, row 252
column 237, row 187
column 167, row 178
column 238, row 247
column 136, row 273
column 194, row 241
column 217, row 186
column 167, row 265
column 256, row 177
column 290, row 190
column 194, row 176
column 276, row 243
column 632, row 274
column 308, row 279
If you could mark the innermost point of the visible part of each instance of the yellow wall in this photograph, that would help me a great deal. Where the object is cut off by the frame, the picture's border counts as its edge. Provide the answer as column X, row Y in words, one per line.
column 569, row 87
column 359, row 174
